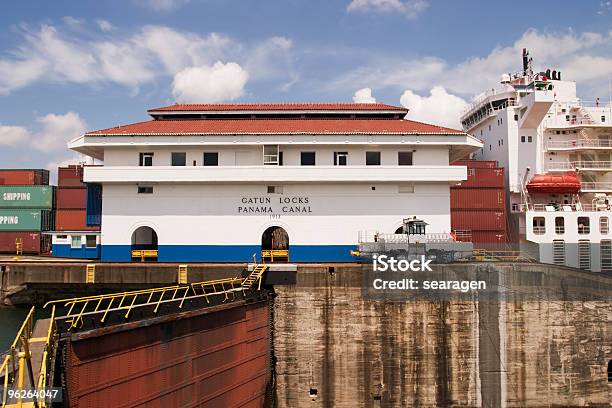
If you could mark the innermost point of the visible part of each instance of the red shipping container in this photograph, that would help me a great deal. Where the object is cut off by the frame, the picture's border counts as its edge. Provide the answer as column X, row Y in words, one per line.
column 19, row 177
column 71, row 198
column 71, row 176
column 477, row 164
column 477, row 177
column 477, row 198
column 478, row 220
column 32, row 242
column 72, row 220
column 489, row 237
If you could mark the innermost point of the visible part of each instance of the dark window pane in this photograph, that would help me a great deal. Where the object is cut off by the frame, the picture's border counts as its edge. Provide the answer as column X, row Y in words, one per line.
column 372, row 158
column 179, row 159
column 145, row 159
column 308, row 158
column 90, row 241
column 211, row 159
column 145, row 190
column 340, row 158
column 404, row 158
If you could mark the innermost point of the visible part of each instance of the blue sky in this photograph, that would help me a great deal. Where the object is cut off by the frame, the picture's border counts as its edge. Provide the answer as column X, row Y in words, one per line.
column 71, row 66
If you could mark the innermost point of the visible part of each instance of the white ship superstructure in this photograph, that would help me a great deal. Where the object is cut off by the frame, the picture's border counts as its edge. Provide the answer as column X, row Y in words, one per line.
column 556, row 149
column 222, row 182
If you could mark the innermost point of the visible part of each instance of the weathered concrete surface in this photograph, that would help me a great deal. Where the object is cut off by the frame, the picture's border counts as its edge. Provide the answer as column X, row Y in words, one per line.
column 509, row 353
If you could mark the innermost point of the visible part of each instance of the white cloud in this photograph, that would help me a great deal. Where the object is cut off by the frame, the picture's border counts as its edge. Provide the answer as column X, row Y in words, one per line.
column 219, row 82
column 567, row 51
column 13, row 135
column 410, row 8
column 364, row 95
column 57, row 130
column 151, row 52
column 105, row 25
column 440, row 107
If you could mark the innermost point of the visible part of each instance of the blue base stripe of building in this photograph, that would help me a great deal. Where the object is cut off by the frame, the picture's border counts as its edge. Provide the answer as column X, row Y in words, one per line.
column 67, row 251
column 231, row 253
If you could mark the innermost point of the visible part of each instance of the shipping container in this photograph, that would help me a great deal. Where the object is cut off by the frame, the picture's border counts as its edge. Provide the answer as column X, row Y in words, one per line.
column 26, row 197
column 24, row 177
column 70, row 176
column 72, row 220
column 26, row 220
column 483, row 177
column 94, row 204
column 477, row 198
column 477, row 164
column 478, row 220
column 70, row 198
column 32, row 242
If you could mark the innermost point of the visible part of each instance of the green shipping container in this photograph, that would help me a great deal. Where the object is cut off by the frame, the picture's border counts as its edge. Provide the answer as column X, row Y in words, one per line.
column 26, row 220
column 26, row 197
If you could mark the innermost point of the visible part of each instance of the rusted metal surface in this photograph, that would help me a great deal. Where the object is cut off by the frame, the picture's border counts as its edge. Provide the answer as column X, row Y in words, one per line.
column 214, row 357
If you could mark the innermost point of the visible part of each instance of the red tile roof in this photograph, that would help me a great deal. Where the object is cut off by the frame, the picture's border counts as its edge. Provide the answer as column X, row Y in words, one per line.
column 276, row 126
column 279, row 107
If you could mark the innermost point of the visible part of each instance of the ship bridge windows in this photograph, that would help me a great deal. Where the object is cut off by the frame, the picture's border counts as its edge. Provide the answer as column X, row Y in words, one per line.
column 584, row 225
column 539, row 225
column 144, row 238
column 604, row 225
column 560, row 225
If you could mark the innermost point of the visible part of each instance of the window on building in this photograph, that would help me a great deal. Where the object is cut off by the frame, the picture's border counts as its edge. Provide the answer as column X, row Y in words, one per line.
column 307, row 158
column 90, row 241
column 604, row 225
column 145, row 159
column 275, row 189
column 340, row 158
column 501, row 121
column 522, row 139
column 404, row 158
column 280, row 158
column 529, row 139
column 179, row 158
column 605, row 249
column 270, row 155
column 603, row 118
column 567, row 118
column 516, row 117
column 584, row 225
column 76, row 241
column 559, row 252
column 211, row 159
column 145, row 190
column 560, row 225
column 584, row 254
column 62, row 237
column 372, row 158
column 539, row 225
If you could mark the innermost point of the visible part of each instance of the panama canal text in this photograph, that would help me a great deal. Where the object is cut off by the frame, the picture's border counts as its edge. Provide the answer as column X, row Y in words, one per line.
column 269, row 205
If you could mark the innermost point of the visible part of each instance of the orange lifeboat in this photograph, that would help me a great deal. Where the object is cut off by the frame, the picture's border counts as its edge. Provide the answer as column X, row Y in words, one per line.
column 554, row 183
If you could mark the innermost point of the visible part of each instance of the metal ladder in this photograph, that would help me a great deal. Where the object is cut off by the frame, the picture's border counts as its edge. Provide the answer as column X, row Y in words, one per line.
column 254, row 276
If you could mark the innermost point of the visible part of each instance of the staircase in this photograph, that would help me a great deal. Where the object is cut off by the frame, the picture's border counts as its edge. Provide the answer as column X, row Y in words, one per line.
column 254, row 276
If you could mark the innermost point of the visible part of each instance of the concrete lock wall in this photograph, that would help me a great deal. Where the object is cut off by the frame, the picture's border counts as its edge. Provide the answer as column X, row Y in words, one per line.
column 512, row 353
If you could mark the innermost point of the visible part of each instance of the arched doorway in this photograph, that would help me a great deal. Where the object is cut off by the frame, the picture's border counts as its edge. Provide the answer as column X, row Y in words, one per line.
column 275, row 245
column 144, row 238
column 275, row 238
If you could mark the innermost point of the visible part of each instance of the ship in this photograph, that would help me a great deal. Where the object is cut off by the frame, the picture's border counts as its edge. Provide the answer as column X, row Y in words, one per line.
column 555, row 148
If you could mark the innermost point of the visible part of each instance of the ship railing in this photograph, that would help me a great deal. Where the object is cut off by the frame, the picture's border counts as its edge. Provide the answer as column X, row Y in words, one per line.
column 580, row 165
column 126, row 303
column 557, row 208
column 481, row 255
column 574, row 144
column 600, row 186
column 374, row 236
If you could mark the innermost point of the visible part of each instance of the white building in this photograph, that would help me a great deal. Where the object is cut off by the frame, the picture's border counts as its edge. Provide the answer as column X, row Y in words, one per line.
column 556, row 151
column 221, row 182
